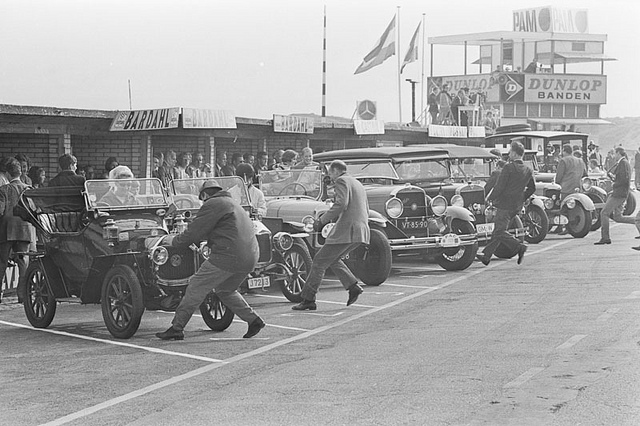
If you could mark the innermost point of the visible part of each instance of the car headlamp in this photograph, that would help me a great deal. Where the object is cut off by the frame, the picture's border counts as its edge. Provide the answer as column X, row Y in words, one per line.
column 548, row 204
column 457, row 200
column 160, row 255
column 282, row 241
column 438, row 205
column 394, row 208
column 307, row 224
column 586, row 183
column 571, row 203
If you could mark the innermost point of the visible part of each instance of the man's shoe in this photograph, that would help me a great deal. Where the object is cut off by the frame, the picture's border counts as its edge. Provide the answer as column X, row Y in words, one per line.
column 305, row 305
column 521, row 252
column 254, row 328
column 601, row 242
column 484, row 259
column 354, row 291
column 564, row 231
column 636, row 248
column 638, row 237
column 171, row 334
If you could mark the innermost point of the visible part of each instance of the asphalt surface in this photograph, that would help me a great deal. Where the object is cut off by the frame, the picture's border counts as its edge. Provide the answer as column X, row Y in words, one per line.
column 553, row 341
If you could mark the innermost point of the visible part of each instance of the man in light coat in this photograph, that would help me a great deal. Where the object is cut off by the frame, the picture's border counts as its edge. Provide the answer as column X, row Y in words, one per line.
column 351, row 213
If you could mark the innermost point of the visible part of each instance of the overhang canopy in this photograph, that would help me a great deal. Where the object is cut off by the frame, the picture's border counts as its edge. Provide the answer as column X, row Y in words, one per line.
column 496, row 37
column 569, row 120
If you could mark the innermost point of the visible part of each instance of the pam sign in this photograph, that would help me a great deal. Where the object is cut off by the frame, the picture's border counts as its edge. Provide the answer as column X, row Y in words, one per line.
column 147, row 119
column 551, row 19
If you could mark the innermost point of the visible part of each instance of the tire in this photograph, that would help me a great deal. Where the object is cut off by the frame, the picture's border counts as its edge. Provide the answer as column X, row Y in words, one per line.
column 595, row 215
column 460, row 258
column 579, row 221
column 630, row 207
column 39, row 303
column 536, row 223
column 298, row 260
column 502, row 251
column 372, row 263
column 215, row 314
column 121, row 300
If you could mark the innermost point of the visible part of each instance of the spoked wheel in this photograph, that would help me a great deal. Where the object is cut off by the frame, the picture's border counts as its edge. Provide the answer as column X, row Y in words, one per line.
column 298, row 260
column 122, row 304
column 536, row 223
column 502, row 251
column 39, row 303
column 580, row 221
column 215, row 314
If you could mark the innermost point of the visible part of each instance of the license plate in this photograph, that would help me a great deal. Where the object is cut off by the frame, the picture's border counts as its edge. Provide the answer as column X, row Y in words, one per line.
column 260, row 282
column 414, row 224
column 560, row 220
column 450, row 240
column 484, row 228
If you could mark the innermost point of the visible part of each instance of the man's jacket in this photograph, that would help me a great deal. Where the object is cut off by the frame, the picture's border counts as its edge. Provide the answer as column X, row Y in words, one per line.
column 515, row 184
column 12, row 228
column 351, row 209
column 622, row 179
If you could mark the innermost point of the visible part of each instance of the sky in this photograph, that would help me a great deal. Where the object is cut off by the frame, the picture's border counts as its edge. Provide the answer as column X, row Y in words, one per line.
column 261, row 57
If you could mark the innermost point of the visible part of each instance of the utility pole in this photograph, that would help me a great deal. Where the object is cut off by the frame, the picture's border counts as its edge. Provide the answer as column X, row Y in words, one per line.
column 413, row 98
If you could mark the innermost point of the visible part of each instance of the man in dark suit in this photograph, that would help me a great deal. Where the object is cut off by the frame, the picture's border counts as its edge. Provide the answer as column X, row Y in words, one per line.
column 67, row 177
column 515, row 184
column 351, row 212
column 15, row 234
column 620, row 174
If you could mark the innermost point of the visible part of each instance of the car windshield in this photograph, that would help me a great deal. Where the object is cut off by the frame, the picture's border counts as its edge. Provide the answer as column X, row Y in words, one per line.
column 422, row 170
column 382, row 170
column 471, row 168
column 125, row 193
column 308, row 182
column 186, row 192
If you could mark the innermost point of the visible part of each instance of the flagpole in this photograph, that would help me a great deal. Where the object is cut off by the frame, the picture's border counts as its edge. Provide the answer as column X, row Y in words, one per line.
column 324, row 64
column 399, row 65
column 422, row 74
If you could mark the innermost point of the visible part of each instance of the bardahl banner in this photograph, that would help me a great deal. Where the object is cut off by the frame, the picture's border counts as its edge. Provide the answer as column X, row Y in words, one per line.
column 368, row 127
column 565, row 88
column 292, row 124
column 208, row 119
column 146, row 119
column 551, row 19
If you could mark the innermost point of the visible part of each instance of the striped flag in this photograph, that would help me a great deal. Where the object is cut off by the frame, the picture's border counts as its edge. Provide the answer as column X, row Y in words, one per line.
column 412, row 52
column 384, row 48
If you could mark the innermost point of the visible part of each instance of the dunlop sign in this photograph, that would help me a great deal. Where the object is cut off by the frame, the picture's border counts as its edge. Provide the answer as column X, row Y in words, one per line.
column 570, row 88
column 148, row 119
column 207, row 119
column 292, row 124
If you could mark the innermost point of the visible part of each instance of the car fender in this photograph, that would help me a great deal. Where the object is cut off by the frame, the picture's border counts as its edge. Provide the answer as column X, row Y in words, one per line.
column 455, row 212
column 377, row 219
column 598, row 192
column 538, row 200
column 583, row 199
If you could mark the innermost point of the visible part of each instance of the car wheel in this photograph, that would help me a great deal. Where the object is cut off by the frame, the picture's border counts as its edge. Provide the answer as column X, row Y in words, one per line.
column 536, row 224
column 298, row 260
column 122, row 304
column 39, row 303
column 372, row 263
column 215, row 314
column 595, row 215
column 503, row 251
column 460, row 258
column 630, row 207
column 579, row 221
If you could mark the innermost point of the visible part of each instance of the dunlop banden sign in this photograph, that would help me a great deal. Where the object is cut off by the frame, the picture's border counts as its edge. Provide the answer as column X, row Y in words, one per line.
column 558, row 88
column 146, row 119
column 292, row 124
column 208, row 119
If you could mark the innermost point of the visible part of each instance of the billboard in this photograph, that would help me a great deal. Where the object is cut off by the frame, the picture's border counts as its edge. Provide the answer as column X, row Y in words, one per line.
column 207, row 119
column 551, row 19
column 565, row 88
column 147, row 119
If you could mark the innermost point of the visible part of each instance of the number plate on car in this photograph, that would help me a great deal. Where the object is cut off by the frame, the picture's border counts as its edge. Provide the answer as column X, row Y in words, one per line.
column 560, row 220
column 484, row 228
column 450, row 240
column 414, row 224
column 260, row 282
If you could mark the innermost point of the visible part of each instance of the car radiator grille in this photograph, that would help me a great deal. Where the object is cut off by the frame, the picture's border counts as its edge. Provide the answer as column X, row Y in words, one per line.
column 413, row 203
column 179, row 265
column 474, row 200
column 264, row 244
column 554, row 194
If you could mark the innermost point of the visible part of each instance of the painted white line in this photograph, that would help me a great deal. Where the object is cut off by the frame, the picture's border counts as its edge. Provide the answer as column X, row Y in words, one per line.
column 523, row 378
column 240, row 339
column 418, row 268
column 169, row 382
column 634, row 295
column 276, row 326
column 608, row 314
column 113, row 342
column 319, row 301
column 407, row 286
column 414, row 276
column 382, row 293
column 572, row 341
column 311, row 313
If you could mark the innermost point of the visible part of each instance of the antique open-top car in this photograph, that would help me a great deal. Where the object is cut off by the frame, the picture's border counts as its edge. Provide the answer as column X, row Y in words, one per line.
column 284, row 256
column 417, row 222
column 104, row 244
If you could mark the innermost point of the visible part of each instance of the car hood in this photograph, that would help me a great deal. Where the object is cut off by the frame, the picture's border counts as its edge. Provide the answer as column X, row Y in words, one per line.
column 294, row 209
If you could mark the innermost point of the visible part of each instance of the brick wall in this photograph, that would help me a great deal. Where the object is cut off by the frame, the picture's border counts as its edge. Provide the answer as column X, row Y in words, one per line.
column 35, row 146
column 128, row 150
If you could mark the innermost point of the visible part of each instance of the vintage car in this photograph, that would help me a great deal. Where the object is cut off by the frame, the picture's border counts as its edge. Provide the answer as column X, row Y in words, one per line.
column 284, row 256
column 298, row 197
column 416, row 221
column 103, row 244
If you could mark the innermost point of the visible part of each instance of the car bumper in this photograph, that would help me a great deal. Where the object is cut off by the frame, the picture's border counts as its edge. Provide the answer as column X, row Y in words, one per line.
column 431, row 243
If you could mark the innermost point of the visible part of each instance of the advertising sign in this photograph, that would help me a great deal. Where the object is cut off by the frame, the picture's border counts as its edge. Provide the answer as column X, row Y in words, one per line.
column 292, row 124
column 366, row 110
column 208, row 119
column 565, row 88
column 147, row 119
column 368, row 127
column 551, row 19
column 485, row 85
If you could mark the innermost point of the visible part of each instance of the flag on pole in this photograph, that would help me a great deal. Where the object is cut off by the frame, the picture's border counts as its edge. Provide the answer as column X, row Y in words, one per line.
column 412, row 52
column 384, row 48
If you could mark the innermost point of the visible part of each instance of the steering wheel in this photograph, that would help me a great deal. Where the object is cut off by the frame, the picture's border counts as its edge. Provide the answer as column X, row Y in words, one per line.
column 293, row 185
column 185, row 203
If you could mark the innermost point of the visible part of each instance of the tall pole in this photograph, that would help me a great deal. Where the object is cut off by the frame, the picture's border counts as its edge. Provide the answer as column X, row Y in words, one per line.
column 413, row 99
column 422, row 73
column 399, row 65
column 324, row 64
column 129, row 81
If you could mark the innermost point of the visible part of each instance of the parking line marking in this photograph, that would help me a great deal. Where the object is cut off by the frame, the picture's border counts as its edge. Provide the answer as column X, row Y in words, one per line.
column 634, row 295
column 277, row 326
column 240, row 339
column 523, row 378
column 202, row 370
column 572, row 341
column 407, row 286
column 318, row 301
column 608, row 314
column 311, row 313
column 115, row 343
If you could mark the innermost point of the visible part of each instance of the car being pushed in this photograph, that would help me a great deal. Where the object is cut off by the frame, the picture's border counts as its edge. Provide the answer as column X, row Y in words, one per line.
column 284, row 257
column 416, row 222
column 299, row 197
column 103, row 244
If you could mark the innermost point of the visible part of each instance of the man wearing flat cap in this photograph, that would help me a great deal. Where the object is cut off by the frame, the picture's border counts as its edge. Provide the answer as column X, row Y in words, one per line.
column 229, row 233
